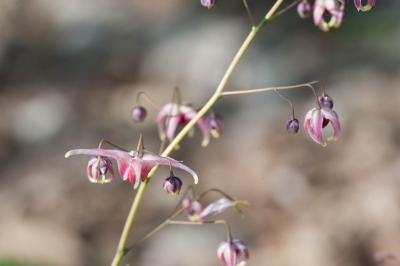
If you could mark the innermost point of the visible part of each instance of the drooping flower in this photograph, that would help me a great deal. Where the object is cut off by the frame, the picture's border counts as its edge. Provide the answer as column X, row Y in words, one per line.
column 173, row 115
column 133, row 167
column 233, row 253
column 292, row 126
column 100, row 170
column 360, row 7
column 304, row 9
column 208, row 3
column 317, row 119
column 138, row 114
column 196, row 212
column 172, row 185
column 334, row 8
column 192, row 207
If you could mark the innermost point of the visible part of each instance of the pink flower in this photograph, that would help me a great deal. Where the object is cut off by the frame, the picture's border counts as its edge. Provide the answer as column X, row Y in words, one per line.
column 304, row 9
column 100, row 170
column 318, row 118
column 196, row 212
column 360, row 7
column 208, row 3
column 233, row 253
column 173, row 115
column 132, row 167
column 335, row 8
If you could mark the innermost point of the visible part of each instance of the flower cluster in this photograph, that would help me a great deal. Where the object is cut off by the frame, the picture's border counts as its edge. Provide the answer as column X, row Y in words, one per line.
column 328, row 14
column 173, row 115
column 231, row 252
column 133, row 167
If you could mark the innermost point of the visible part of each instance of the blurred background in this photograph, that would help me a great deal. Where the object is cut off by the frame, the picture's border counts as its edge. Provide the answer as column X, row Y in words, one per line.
column 69, row 74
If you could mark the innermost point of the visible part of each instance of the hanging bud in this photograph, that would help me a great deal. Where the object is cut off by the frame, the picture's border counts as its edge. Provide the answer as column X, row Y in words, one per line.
column 100, row 170
column 360, row 7
column 233, row 253
column 138, row 113
column 192, row 207
column 325, row 101
column 304, row 9
column 172, row 185
column 292, row 126
column 208, row 3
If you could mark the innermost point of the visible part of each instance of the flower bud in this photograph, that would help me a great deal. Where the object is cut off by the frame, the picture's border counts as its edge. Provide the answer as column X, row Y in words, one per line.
column 325, row 101
column 364, row 7
column 138, row 113
column 233, row 253
column 292, row 126
column 172, row 185
column 100, row 170
column 304, row 9
column 192, row 207
column 208, row 3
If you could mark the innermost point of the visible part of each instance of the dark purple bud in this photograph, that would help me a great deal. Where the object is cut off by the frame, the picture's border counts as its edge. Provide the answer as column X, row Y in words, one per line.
column 304, row 9
column 139, row 113
column 325, row 101
column 292, row 126
column 172, row 185
column 208, row 3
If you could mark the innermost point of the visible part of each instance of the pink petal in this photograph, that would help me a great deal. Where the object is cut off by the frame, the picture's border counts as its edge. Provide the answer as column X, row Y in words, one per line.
column 333, row 117
column 242, row 249
column 316, row 126
column 113, row 154
column 173, row 123
column 150, row 161
column 217, row 207
column 318, row 12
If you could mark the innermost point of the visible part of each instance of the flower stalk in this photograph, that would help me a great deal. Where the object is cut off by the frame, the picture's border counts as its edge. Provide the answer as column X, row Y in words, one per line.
column 121, row 249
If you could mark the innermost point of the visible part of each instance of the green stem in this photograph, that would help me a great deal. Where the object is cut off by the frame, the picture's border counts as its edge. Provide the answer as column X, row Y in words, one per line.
column 121, row 250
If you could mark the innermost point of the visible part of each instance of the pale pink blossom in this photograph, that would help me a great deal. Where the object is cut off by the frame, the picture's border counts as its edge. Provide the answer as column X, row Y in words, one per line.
column 233, row 253
column 317, row 119
column 133, row 167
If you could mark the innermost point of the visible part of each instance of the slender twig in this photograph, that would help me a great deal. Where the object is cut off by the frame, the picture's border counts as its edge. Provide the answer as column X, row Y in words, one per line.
column 142, row 94
column 249, row 13
column 111, row 144
column 285, row 9
column 202, row 195
column 157, row 228
column 250, row 91
column 120, row 252
column 287, row 100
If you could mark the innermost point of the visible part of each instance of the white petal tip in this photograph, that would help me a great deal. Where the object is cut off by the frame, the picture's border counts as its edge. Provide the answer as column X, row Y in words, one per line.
column 68, row 154
column 196, row 179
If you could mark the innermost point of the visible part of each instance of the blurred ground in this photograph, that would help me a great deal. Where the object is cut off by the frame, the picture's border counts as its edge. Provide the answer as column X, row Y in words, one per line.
column 69, row 73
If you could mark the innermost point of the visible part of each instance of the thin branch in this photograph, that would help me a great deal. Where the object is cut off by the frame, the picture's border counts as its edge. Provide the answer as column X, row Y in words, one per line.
column 142, row 94
column 111, row 144
column 249, row 13
column 287, row 100
column 240, row 92
column 285, row 9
